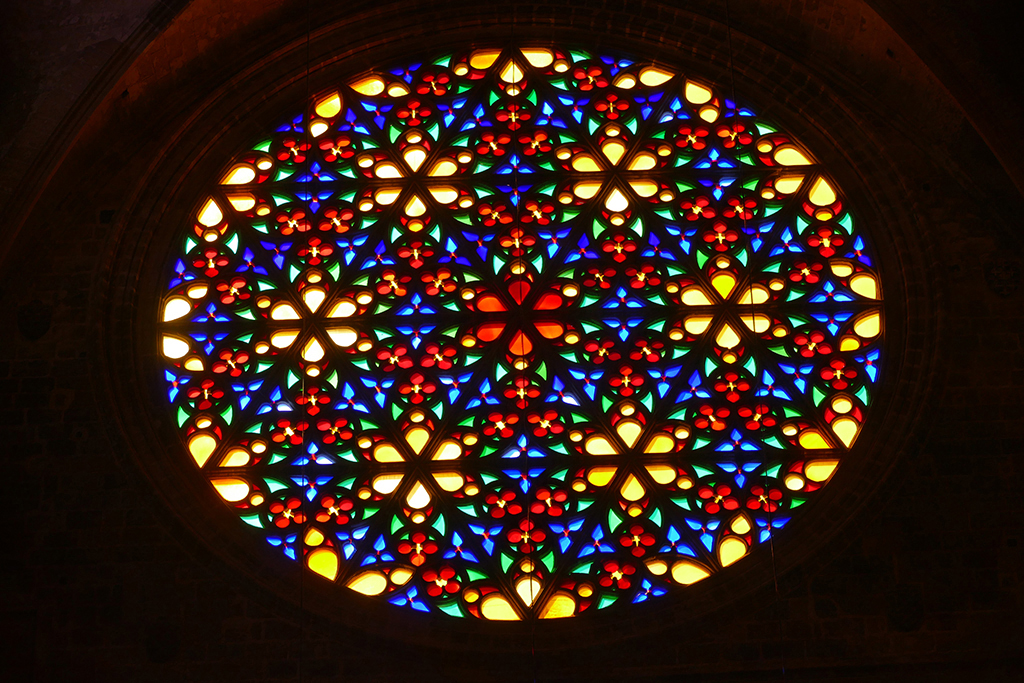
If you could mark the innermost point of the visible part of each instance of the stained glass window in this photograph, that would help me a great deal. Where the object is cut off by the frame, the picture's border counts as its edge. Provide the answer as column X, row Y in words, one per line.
column 520, row 333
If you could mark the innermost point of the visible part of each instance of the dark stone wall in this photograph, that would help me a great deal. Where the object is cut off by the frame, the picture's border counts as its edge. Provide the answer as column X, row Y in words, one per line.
column 116, row 571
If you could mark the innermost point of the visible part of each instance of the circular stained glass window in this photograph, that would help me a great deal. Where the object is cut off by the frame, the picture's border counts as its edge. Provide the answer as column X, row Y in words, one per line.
column 520, row 333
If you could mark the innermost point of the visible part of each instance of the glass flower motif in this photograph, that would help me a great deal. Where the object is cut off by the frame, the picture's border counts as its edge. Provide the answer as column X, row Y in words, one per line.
column 520, row 333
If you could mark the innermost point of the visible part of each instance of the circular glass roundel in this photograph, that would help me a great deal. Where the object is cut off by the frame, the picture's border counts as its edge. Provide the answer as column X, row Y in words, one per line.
column 520, row 333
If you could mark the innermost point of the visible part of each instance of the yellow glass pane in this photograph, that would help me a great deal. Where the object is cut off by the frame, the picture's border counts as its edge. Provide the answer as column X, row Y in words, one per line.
column 318, row 128
column 195, row 364
column 811, row 439
column 723, row 281
column 324, row 562
column 371, row 85
column 241, row 202
column 629, row 431
column 443, row 168
column 841, row 268
column 757, row 294
column 727, row 337
column 174, row 347
column 210, row 215
column 695, row 296
column 444, row 195
column 601, row 476
column 343, row 336
column 414, row 156
column 790, row 156
column 662, row 474
column 415, row 207
column 794, row 482
column 198, row 291
column 449, row 481
column 731, row 549
column 696, row 93
column 397, row 90
column 313, row 297
column 616, row 201
column 599, row 445
column 231, row 490
column 386, row 196
column 560, row 605
column 528, row 588
column 657, row 566
column 842, row 404
column 201, row 446
column 632, row 489
column 283, row 339
column 740, row 525
column 418, row 497
column 385, row 452
column 417, row 438
column 240, row 174
column 709, row 113
column 788, row 184
column 386, row 483
column 175, row 308
column 284, row 311
column 625, row 81
column 868, row 325
column 448, row 450
column 329, row 106
column 687, row 573
column 313, row 537
column 846, row 428
column 313, row 351
column 613, row 150
column 496, row 608
column 400, row 576
column 697, row 324
column 387, row 169
column 651, row 76
column 822, row 193
column 539, row 57
column 661, row 443
column 235, row 458
column 585, row 163
column 369, row 583
column 644, row 188
column 482, row 59
column 586, row 190
column 343, row 308
column 865, row 285
column 512, row 73
column 820, row 470
column 644, row 161
column 757, row 322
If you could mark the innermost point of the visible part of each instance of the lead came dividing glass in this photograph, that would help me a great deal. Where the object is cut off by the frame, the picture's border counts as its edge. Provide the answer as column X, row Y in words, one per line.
column 520, row 333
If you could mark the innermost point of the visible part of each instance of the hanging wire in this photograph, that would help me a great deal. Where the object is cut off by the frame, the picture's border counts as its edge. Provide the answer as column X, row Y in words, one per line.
column 766, row 496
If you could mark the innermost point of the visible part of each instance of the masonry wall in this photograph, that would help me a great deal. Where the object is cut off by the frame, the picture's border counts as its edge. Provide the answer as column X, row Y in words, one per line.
column 109, row 575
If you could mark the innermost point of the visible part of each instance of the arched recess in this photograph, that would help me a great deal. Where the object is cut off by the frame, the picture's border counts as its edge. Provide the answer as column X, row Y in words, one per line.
column 235, row 102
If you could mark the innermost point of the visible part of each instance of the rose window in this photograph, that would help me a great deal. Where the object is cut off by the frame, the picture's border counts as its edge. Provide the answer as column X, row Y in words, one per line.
column 520, row 333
